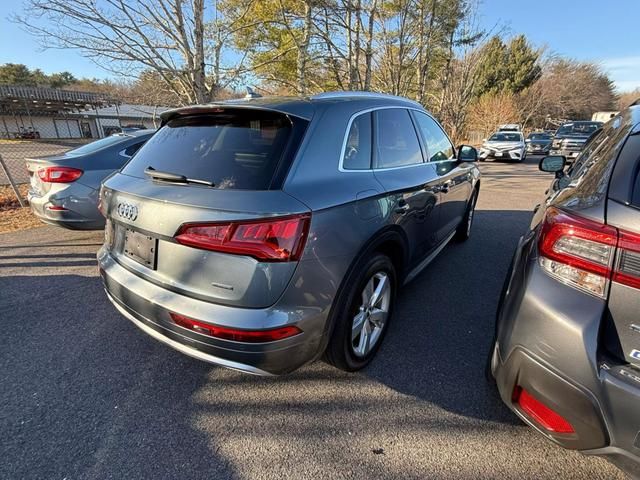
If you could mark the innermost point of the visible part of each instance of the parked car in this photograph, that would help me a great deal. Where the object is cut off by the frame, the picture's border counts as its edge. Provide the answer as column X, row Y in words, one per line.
column 571, row 137
column 64, row 188
column 567, row 353
column 260, row 234
column 503, row 146
column 539, row 143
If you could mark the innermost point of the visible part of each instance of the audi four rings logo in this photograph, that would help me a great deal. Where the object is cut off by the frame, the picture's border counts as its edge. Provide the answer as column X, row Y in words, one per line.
column 128, row 211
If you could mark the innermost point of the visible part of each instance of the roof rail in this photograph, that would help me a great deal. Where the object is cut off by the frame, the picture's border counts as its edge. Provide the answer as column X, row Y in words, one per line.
column 359, row 93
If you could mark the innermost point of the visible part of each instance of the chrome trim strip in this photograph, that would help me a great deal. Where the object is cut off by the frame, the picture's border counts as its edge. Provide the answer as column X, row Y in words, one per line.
column 423, row 264
column 192, row 352
column 368, row 170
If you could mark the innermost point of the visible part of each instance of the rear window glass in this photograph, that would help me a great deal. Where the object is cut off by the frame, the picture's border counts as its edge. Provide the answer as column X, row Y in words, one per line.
column 99, row 144
column 233, row 149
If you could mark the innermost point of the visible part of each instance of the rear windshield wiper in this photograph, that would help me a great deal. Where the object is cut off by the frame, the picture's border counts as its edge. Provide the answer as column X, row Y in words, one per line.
column 174, row 177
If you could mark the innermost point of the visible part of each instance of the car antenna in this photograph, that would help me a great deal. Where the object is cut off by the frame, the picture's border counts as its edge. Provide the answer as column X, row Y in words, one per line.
column 251, row 93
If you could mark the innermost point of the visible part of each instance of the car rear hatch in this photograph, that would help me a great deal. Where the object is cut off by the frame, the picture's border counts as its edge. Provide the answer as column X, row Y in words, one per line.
column 623, row 338
column 200, row 211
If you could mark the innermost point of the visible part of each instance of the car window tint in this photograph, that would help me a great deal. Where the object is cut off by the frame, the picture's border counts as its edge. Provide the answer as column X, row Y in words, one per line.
column 233, row 148
column 590, row 181
column 99, row 144
column 357, row 152
column 396, row 141
column 131, row 149
column 635, row 199
column 438, row 145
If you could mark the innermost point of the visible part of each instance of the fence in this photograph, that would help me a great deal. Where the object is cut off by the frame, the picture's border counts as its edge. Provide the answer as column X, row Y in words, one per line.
column 37, row 135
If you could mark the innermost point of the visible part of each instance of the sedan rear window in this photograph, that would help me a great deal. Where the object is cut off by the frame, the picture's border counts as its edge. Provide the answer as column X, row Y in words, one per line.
column 231, row 148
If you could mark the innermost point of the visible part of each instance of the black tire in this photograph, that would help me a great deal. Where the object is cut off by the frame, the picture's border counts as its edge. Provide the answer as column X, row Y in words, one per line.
column 463, row 232
column 340, row 351
column 482, row 159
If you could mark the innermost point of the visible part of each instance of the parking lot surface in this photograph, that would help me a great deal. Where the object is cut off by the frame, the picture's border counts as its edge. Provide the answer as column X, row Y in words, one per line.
column 86, row 395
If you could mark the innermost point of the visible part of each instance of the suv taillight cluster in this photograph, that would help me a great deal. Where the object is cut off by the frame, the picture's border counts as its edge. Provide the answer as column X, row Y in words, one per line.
column 278, row 239
column 586, row 254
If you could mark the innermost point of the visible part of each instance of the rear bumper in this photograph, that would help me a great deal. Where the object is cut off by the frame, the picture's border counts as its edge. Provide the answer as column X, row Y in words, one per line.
column 80, row 209
column 547, row 342
column 148, row 306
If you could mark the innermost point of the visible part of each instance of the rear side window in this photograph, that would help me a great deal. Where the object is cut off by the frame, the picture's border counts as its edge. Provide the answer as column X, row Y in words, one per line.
column 438, row 145
column 357, row 151
column 131, row 149
column 233, row 148
column 396, row 141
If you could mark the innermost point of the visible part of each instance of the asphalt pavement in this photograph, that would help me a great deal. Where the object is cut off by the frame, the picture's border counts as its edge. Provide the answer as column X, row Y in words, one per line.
column 85, row 395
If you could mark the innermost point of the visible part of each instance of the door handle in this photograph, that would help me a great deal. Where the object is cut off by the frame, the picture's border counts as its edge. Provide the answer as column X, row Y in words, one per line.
column 402, row 208
column 444, row 188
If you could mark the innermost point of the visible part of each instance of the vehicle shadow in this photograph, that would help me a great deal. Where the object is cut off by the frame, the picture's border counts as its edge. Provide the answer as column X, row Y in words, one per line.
column 443, row 325
column 86, row 395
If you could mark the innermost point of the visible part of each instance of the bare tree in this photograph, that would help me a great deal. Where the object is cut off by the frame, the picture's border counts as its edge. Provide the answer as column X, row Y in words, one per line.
column 167, row 37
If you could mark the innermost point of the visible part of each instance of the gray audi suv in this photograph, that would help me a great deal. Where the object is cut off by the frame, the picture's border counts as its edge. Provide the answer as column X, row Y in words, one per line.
column 64, row 188
column 567, row 353
column 260, row 234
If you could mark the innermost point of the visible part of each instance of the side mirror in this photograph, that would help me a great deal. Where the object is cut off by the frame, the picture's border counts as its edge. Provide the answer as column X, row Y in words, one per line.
column 467, row 153
column 553, row 164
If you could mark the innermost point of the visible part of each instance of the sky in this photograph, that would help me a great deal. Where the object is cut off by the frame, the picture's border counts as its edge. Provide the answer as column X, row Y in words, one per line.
column 603, row 31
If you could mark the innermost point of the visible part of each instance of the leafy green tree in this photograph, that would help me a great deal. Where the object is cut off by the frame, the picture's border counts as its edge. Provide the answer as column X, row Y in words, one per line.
column 15, row 74
column 19, row 74
column 508, row 68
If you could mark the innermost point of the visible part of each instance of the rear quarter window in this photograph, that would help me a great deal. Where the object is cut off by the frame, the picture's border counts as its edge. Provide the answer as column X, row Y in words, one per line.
column 233, row 148
column 589, row 181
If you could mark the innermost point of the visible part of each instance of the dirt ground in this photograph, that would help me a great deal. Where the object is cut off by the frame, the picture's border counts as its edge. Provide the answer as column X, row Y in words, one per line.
column 12, row 216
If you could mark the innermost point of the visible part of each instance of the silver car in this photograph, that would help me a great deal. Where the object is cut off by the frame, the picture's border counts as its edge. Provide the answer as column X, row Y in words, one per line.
column 566, row 356
column 504, row 146
column 261, row 234
column 64, row 188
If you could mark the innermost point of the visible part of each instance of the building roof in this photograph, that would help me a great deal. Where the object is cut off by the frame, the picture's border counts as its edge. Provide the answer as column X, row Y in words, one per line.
column 126, row 110
column 41, row 100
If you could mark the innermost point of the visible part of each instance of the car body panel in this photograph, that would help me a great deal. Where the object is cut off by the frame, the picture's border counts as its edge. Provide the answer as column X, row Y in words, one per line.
column 351, row 212
column 576, row 338
column 79, row 198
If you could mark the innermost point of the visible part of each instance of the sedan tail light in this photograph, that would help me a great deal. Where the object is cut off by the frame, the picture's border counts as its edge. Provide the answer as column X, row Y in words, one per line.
column 581, row 252
column 279, row 239
column 59, row 174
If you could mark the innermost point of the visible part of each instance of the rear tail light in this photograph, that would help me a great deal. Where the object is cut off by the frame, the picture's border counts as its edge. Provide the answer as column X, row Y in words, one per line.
column 278, row 239
column 577, row 251
column 580, row 252
column 237, row 335
column 541, row 414
column 59, row 174
column 627, row 269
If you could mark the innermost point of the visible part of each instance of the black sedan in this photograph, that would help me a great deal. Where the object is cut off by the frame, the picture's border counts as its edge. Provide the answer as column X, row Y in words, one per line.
column 539, row 143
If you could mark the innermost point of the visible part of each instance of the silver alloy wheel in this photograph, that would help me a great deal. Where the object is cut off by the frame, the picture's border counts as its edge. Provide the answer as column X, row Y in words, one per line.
column 372, row 314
